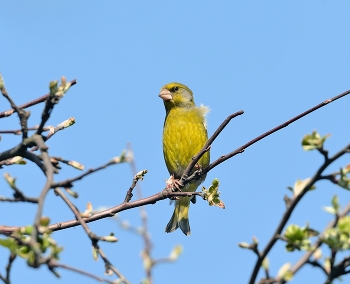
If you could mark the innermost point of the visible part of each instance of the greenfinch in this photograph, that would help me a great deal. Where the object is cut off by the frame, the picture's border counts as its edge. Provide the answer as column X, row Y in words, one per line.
column 184, row 135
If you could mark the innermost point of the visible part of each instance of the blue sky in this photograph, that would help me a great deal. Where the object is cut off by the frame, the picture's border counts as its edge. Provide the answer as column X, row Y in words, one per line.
column 272, row 59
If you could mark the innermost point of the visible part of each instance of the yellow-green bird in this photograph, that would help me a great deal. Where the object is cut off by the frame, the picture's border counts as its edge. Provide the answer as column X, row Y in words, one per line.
column 184, row 135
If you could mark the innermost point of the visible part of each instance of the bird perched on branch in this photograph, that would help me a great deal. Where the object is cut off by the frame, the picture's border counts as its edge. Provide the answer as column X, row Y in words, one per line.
column 184, row 135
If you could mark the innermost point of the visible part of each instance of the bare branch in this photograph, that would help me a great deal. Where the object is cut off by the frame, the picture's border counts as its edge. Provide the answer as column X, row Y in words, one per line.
column 285, row 124
column 69, row 182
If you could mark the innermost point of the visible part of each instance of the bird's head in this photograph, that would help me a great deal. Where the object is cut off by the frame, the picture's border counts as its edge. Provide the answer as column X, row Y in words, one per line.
column 176, row 95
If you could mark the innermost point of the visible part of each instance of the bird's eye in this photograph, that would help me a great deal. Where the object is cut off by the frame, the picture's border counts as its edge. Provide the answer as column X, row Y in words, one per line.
column 176, row 89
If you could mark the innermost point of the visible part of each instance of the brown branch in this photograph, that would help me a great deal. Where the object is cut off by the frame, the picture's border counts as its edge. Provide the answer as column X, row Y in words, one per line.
column 110, row 212
column 137, row 177
column 290, row 209
column 285, row 124
column 69, row 182
column 31, row 103
column 185, row 176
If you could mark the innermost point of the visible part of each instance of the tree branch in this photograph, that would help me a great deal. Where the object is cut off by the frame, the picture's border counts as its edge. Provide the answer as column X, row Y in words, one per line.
column 290, row 209
column 285, row 124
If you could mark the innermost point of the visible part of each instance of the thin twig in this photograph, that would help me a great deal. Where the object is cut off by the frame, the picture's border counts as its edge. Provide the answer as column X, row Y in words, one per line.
column 76, row 213
column 69, row 182
column 22, row 114
column 136, row 178
column 109, row 266
column 65, row 266
column 19, row 131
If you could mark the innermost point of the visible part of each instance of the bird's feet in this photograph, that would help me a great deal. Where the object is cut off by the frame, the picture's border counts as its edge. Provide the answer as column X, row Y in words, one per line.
column 173, row 185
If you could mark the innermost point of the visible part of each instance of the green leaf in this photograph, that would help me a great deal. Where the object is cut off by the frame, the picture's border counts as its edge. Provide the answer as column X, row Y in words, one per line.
column 44, row 221
column 111, row 239
column 265, row 264
column 244, row 245
column 23, row 251
column 72, row 193
column 300, row 185
column 2, row 82
column 9, row 243
column 317, row 254
column 338, row 238
column 344, row 225
column 18, row 160
column 330, row 210
column 94, row 253
column 10, row 180
column 294, row 233
column 344, row 180
column 213, row 194
column 298, row 237
column 285, row 273
column 313, row 141
column 176, row 252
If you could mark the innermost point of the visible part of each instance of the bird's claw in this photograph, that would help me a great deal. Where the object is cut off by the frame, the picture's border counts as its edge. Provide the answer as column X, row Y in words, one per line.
column 173, row 184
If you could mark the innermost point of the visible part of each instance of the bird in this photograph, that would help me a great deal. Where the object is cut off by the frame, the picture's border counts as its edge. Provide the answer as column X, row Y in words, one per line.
column 184, row 135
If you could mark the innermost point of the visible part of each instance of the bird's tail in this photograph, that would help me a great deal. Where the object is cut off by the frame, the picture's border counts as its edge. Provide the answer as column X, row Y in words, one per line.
column 180, row 217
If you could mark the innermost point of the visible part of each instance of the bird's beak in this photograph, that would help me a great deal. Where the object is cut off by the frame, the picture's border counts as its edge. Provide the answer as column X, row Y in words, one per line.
column 165, row 95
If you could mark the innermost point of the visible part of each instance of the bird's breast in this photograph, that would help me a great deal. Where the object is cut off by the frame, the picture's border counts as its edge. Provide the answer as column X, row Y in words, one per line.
column 183, row 137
